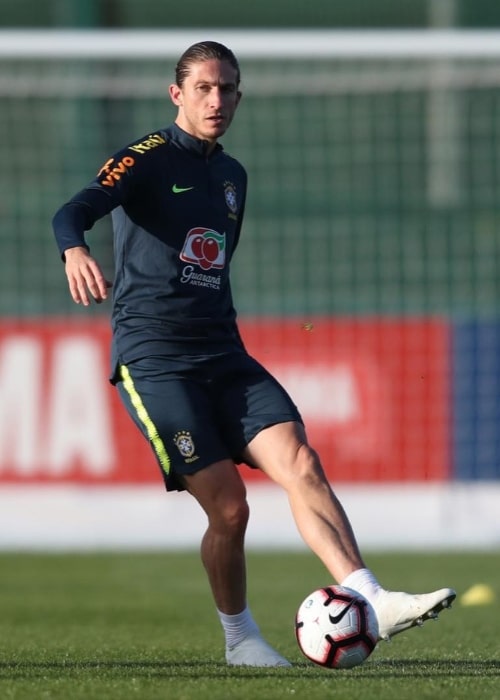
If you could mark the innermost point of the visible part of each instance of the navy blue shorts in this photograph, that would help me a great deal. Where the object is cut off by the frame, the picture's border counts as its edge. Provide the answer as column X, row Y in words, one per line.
column 197, row 410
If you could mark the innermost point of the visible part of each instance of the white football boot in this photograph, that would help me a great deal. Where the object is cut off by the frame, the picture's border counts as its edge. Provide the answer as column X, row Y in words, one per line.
column 397, row 612
column 254, row 651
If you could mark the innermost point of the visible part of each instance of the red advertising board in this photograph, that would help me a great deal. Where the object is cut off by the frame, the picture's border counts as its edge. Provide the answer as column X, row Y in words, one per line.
column 374, row 395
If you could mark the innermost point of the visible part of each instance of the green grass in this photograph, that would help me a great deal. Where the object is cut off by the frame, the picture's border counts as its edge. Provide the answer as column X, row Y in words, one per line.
column 125, row 626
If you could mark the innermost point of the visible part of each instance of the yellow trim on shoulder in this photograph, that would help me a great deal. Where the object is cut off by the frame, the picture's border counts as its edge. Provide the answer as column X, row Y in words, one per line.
column 143, row 415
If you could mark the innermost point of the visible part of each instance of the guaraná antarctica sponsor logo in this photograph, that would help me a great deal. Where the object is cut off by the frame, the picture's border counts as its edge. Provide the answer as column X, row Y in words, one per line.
column 206, row 249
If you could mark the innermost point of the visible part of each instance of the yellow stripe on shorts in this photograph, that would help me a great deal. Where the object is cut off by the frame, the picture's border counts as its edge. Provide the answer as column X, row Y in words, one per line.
column 143, row 415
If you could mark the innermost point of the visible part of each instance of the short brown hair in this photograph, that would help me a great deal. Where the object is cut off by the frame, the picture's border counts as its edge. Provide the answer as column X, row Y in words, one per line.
column 204, row 51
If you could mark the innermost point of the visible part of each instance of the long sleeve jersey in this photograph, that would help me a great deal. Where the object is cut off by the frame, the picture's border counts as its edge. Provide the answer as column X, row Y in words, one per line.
column 177, row 216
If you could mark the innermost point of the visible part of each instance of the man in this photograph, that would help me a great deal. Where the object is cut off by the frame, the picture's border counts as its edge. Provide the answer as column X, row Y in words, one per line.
column 177, row 202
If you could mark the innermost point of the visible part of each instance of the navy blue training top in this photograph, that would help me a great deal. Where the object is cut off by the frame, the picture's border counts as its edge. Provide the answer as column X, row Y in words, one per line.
column 177, row 216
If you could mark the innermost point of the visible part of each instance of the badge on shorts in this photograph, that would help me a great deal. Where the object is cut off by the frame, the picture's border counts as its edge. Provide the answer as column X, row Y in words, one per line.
column 184, row 443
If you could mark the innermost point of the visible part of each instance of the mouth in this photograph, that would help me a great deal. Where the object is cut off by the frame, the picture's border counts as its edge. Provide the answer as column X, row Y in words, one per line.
column 217, row 119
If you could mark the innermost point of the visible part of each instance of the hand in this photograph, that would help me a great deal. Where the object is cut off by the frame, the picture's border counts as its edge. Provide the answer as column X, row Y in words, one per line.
column 84, row 276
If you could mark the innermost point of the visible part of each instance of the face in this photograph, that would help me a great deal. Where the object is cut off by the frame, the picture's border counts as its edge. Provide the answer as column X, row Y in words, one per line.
column 207, row 99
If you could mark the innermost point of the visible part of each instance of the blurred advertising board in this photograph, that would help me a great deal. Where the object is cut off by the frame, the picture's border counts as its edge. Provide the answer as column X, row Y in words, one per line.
column 374, row 395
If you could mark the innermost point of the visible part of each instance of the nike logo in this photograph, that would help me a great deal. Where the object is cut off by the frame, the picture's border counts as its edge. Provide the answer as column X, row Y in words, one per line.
column 178, row 190
column 335, row 619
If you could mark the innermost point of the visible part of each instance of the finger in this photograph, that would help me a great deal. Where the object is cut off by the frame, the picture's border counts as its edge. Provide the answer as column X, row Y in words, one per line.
column 104, row 296
column 74, row 289
column 96, row 282
column 81, row 291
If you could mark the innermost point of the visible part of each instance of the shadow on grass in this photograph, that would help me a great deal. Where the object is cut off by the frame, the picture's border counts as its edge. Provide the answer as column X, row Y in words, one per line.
column 400, row 668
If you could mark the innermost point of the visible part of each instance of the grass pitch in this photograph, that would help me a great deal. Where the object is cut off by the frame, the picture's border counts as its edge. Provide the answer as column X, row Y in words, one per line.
column 142, row 625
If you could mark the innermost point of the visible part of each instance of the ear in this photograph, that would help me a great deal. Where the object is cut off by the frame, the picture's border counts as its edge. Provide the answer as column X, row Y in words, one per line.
column 175, row 94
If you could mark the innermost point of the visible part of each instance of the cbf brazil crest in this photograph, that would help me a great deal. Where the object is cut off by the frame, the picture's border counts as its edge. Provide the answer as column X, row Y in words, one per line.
column 185, row 445
column 230, row 196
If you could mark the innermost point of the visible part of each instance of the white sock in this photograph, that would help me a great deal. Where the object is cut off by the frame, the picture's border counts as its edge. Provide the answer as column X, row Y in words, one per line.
column 238, row 627
column 363, row 581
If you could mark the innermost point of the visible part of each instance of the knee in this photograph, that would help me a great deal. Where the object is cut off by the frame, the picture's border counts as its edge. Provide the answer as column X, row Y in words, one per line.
column 237, row 515
column 306, row 468
column 231, row 515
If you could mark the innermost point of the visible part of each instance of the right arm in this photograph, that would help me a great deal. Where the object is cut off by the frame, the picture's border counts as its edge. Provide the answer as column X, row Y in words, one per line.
column 111, row 188
column 85, row 277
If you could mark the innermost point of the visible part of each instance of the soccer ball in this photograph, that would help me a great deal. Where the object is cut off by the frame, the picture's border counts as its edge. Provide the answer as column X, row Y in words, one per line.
column 336, row 627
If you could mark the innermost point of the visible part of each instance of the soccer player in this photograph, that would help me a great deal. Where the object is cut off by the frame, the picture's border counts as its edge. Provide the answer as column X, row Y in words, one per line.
column 177, row 202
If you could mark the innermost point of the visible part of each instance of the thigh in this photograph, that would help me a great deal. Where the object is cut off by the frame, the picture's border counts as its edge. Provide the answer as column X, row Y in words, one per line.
column 174, row 412
column 220, row 491
column 280, row 450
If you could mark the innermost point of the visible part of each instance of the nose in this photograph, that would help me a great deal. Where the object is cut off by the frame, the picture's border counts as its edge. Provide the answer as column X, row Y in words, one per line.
column 216, row 96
